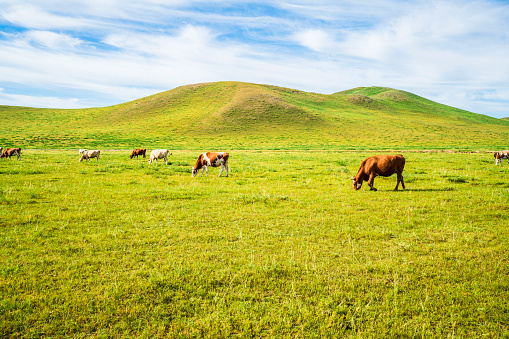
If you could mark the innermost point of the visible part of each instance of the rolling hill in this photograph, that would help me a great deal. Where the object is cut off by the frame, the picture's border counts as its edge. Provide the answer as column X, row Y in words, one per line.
column 235, row 115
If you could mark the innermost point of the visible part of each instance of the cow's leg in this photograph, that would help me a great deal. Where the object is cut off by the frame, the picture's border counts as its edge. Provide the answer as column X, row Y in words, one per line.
column 166, row 160
column 226, row 166
column 18, row 155
column 207, row 170
column 202, row 169
column 221, row 172
column 371, row 182
column 400, row 179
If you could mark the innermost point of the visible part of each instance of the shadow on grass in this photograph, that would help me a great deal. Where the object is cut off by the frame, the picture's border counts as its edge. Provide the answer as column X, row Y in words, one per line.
column 445, row 189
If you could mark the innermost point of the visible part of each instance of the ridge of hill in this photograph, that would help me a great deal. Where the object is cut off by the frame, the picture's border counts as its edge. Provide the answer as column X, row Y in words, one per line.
column 237, row 115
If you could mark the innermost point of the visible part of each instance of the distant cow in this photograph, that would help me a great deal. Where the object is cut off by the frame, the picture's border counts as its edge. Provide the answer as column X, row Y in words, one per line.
column 138, row 151
column 90, row 154
column 81, row 150
column 9, row 152
column 159, row 154
column 211, row 159
column 499, row 156
column 379, row 165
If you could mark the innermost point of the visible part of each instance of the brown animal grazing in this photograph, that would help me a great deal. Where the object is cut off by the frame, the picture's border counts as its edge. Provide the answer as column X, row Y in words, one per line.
column 383, row 165
column 138, row 151
column 499, row 156
column 213, row 159
column 9, row 152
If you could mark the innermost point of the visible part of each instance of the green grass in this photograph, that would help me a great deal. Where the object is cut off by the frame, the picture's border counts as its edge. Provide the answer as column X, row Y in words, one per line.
column 282, row 248
column 234, row 115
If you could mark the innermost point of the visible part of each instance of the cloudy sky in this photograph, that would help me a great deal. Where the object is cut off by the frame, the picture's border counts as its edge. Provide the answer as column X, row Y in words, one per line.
column 85, row 53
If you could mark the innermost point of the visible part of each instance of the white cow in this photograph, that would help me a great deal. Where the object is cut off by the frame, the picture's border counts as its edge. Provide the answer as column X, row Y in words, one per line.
column 213, row 159
column 90, row 154
column 159, row 154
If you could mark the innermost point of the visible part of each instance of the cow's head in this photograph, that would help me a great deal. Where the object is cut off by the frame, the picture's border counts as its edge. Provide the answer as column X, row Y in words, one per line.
column 357, row 183
column 194, row 171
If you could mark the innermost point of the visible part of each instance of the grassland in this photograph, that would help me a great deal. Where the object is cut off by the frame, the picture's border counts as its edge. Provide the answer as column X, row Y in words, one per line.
column 234, row 115
column 282, row 248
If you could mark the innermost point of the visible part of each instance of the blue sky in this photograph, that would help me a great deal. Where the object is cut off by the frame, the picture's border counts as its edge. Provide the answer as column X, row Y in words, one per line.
column 79, row 53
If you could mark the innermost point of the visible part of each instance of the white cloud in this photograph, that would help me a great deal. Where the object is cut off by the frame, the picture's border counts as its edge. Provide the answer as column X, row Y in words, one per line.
column 35, row 17
column 315, row 39
column 52, row 40
column 189, row 42
column 37, row 101
column 123, row 50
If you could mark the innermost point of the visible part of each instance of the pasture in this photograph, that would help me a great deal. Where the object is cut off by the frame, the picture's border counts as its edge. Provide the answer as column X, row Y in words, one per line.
column 283, row 247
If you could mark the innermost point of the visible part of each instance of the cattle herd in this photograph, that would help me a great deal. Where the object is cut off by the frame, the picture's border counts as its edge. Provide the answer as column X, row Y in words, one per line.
column 212, row 159
column 371, row 167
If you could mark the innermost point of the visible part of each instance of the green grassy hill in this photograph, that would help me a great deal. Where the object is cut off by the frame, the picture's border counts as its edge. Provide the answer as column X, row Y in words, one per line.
column 234, row 115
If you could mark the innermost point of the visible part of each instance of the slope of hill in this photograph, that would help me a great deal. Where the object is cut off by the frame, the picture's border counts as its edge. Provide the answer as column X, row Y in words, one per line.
column 234, row 115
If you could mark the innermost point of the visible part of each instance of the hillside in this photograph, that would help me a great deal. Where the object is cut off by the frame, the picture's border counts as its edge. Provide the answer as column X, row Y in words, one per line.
column 234, row 115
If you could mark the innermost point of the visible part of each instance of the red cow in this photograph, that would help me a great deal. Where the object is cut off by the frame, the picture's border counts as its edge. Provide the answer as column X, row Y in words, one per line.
column 9, row 152
column 138, row 151
column 383, row 165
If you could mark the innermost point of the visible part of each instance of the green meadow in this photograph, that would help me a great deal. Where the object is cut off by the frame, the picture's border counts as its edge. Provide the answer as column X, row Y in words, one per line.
column 283, row 247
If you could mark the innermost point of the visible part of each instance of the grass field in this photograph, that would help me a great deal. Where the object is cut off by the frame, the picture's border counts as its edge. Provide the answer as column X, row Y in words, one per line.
column 282, row 248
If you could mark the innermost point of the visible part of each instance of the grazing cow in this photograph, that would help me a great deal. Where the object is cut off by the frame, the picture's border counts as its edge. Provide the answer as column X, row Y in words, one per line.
column 138, row 151
column 159, row 154
column 213, row 159
column 499, row 156
column 383, row 165
column 9, row 152
column 81, row 150
column 90, row 154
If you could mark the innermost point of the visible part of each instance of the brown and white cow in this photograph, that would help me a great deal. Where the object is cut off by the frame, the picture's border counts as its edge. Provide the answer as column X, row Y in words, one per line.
column 379, row 165
column 159, row 154
column 90, row 154
column 138, row 151
column 213, row 159
column 499, row 156
column 9, row 152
